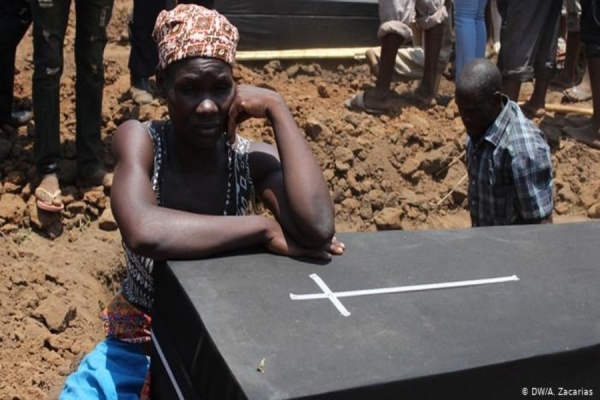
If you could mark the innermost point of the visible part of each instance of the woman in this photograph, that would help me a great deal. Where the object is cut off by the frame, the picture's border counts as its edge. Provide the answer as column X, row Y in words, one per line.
column 182, row 187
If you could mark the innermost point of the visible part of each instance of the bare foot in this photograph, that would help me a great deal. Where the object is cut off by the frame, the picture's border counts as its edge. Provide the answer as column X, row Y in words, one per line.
column 586, row 134
column 372, row 61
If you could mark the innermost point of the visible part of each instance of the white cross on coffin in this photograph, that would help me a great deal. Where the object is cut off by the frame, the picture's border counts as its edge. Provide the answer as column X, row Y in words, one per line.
column 334, row 296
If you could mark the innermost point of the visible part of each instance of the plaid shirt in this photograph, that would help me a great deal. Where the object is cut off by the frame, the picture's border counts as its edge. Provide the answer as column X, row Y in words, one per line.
column 510, row 171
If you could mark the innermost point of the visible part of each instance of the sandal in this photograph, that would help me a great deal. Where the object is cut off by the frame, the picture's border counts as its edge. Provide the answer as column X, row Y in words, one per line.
column 357, row 103
column 48, row 194
column 575, row 95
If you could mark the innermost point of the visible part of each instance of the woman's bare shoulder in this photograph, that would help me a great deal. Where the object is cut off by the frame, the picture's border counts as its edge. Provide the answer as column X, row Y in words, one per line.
column 131, row 125
column 132, row 137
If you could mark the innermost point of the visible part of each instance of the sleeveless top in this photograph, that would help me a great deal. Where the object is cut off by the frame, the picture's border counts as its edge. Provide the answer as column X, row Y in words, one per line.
column 138, row 286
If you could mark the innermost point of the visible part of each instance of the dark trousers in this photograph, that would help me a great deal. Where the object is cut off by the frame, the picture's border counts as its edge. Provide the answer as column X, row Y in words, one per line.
column 15, row 18
column 590, row 27
column 49, row 25
column 528, row 38
column 143, row 57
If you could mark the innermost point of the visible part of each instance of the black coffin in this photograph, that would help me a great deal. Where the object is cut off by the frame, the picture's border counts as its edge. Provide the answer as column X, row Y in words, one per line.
column 302, row 24
column 226, row 328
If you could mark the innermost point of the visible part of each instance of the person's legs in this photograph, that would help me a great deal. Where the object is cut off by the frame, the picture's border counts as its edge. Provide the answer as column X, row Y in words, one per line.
column 568, row 75
column 433, row 43
column 431, row 14
column 480, row 29
column 544, row 56
column 92, row 19
column 408, row 65
column 395, row 17
column 409, row 62
column 496, row 25
column 389, row 48
column 394, row 30
column 521, row 27
column 590, row 35
column 49, row 25
column 470, row 31
column 15, row 18
column 590, row 133
column 143, row 55
column 379, row 100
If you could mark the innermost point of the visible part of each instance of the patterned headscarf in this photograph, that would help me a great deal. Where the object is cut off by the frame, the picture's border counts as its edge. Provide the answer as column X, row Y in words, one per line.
column 190, row 30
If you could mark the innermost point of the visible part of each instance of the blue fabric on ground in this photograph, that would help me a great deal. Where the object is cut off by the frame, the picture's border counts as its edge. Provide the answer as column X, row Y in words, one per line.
column 113, row 370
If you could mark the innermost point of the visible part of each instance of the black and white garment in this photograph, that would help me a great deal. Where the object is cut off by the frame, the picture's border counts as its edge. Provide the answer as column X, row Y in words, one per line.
column 138, row 286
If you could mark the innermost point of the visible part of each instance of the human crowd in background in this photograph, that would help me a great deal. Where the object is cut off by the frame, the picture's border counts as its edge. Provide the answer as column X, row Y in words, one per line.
column 524, row 37
column 419, row 38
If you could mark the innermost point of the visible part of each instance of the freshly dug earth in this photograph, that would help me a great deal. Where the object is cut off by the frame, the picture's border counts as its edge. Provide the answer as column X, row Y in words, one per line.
column 400, row 171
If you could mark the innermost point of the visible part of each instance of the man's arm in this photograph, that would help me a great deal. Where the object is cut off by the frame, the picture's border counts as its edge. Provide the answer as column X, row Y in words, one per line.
column 532, row 175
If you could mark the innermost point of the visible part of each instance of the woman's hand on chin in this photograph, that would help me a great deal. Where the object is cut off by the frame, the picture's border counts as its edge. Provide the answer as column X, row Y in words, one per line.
column 250, row 102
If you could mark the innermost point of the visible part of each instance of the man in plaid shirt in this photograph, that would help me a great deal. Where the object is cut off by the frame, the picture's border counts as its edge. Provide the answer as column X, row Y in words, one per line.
column 508, row 159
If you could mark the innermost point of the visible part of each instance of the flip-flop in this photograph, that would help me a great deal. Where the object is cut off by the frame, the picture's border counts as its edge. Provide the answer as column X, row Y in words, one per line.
column 575, row 95
column 357, row 103
column 49, row 201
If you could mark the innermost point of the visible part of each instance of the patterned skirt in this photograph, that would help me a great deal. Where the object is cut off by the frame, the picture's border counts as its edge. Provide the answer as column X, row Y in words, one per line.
column 118, row 367
column 125, row 322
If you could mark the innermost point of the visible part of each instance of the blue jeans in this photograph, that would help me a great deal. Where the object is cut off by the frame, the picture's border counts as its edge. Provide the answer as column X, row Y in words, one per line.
column 471, row 36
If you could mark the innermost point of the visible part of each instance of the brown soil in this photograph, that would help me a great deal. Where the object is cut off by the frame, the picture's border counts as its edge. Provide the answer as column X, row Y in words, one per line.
column 402, row 171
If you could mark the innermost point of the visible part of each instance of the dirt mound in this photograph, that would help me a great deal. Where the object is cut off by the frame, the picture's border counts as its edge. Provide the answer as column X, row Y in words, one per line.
column 400, row 171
